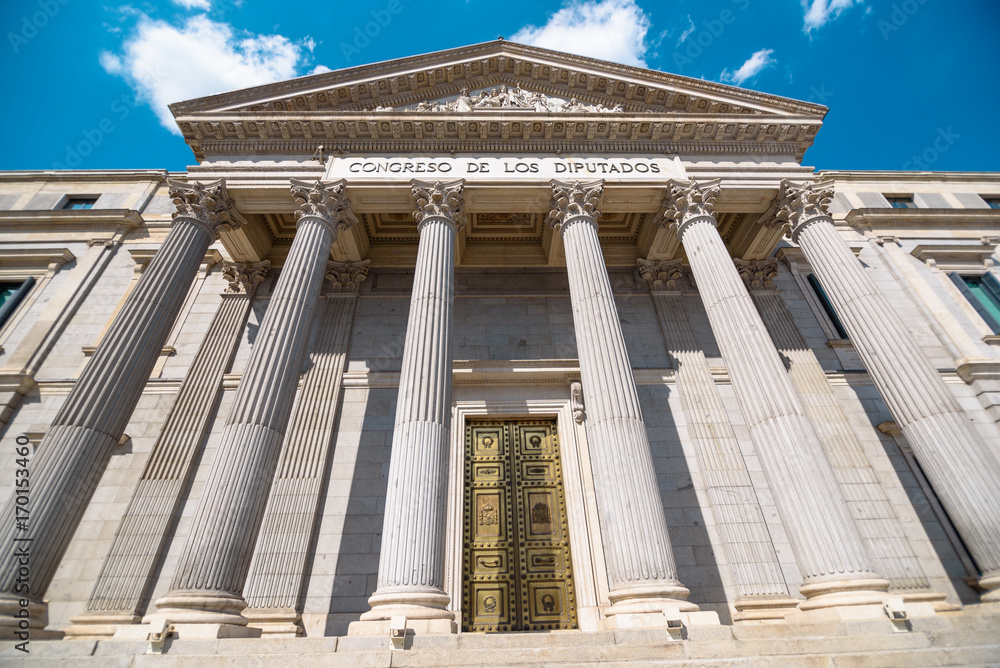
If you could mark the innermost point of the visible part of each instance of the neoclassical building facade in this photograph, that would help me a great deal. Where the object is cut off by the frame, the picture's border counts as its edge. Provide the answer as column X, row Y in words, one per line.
column 496, row 339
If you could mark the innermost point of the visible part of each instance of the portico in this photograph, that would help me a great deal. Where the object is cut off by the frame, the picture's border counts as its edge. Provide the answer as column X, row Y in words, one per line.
column 493, row 235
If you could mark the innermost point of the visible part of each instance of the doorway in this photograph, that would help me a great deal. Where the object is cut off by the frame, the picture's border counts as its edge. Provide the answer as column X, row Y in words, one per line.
column 517, row 572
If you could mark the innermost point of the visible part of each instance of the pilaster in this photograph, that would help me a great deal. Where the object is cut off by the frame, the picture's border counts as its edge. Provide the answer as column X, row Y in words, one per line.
column 207, row 587
column 278, row 568
column 760, row 585
column 866, row 499
column 962, row 469
column 76, row 450
column 126, row 576
column 835, row 565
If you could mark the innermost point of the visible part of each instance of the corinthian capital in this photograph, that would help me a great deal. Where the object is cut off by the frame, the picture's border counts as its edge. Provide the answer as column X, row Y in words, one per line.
column 325, row 201
column 440, row 199
column 800, row 204
column 347, row 276
column 663, row 275
column 757, row 274
column 207, row 204
column 244, row 277
column 686, row 201
column 573, row 200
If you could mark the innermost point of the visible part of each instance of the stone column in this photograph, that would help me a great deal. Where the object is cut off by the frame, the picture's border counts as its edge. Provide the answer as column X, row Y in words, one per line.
column 207, row 587
column 871, row 509
column 835, row 565
column 760, row 585
column 411, row 563
column 961, row 468
column 640, row 562
column 74, row 453
column 126, row 577
column 278, row 569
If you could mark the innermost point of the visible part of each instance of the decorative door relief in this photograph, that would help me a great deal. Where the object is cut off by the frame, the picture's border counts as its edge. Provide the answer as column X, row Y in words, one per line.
column 517, row 570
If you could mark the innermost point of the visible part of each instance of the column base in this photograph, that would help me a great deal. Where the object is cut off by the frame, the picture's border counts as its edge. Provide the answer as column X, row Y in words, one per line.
column 99, row 624
column 844, row 593
column 759, row 608
column 649, row 599
column 275, row 622
column 991, row 584
column 200, row 607
column 426, row 604
column 20, row 615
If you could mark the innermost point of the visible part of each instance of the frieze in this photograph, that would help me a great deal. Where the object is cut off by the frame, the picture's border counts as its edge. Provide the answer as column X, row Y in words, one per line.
column 487, row 168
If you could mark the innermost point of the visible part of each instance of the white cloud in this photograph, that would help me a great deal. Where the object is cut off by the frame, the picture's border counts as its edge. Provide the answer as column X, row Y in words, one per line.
column 612, row 30
column 165, row 63
column 819, row 12
column 687, row 31
column 750, row 68
column 204, row 5
column 320, row 69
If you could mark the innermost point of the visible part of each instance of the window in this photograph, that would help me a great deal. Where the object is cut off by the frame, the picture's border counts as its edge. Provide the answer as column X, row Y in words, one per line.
column 11, row 295
column 992, row 202
column 901, row 202
column 827, row 306
column 983, row 292
column 80, row 203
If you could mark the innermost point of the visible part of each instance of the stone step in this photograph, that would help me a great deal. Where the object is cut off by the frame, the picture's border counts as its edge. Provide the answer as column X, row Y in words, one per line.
column 940, row 646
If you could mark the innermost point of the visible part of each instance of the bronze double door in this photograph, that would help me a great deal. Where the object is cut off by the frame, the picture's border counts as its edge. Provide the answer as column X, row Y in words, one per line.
column 517, row 570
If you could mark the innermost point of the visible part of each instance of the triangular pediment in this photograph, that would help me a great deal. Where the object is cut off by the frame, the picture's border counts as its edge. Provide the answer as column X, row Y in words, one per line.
column 442, row 96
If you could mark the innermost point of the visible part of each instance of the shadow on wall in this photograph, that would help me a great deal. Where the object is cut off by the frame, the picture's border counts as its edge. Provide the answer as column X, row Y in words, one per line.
column 697, row 566
column 953, row 564
column 361, row 474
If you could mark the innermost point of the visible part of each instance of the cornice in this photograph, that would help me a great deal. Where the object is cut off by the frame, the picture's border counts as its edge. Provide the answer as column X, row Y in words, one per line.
column 37, row 220
column 862, row 219
column 883, row 176
column 370, row 84
column 88, row 175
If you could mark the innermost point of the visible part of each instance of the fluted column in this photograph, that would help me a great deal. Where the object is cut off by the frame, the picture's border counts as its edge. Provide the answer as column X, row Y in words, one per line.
column 963, row 471
column 760, row 585
column 138, row 547
column 835, row 565
column 207, row 586
column 278, row 569
column 74, row 453
column 411, row 563
column 873, row 513
column 641, row 571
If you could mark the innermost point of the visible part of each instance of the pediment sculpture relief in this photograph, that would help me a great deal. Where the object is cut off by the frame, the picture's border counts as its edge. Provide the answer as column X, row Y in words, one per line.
column 507, row 98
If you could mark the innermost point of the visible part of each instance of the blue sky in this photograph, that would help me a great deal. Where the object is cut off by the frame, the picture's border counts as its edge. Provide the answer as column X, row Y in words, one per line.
column 911, row 84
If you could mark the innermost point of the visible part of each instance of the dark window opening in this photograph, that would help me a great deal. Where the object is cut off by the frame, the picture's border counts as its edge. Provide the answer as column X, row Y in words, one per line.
column 76, row 203
column 901, row 202
column 827, row 306
column 11, row 295
column 983, row 292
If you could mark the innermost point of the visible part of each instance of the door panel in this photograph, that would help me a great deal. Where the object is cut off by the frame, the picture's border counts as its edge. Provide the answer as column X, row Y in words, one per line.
column 518, row 573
